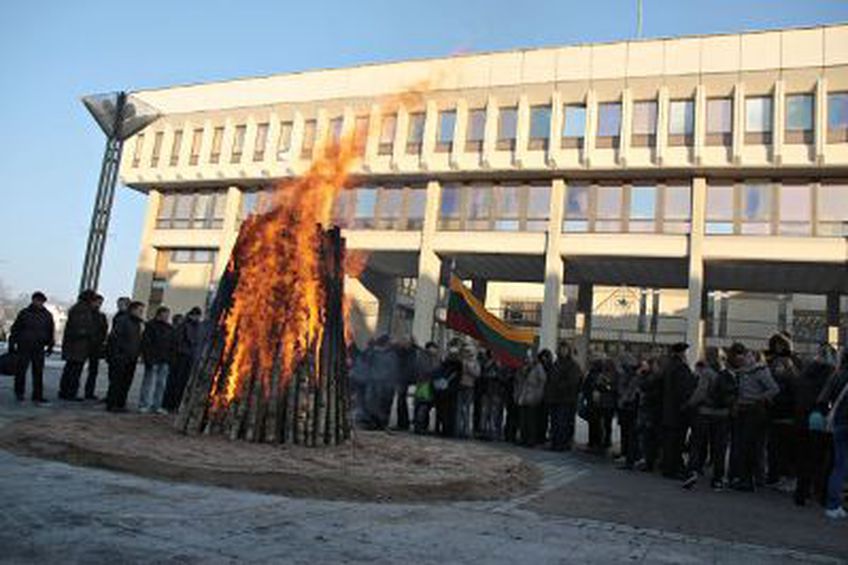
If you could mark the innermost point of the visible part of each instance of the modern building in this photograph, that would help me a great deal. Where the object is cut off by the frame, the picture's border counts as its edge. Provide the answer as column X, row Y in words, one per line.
column 633, row 192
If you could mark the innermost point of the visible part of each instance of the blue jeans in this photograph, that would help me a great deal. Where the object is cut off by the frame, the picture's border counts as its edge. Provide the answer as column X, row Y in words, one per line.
column 840, row 467
column 153, row 386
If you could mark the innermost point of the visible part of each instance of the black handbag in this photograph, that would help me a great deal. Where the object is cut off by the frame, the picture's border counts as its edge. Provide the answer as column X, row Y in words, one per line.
column 9, row 363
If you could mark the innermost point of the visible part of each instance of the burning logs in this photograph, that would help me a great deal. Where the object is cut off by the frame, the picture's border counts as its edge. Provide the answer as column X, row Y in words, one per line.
column 273, row 364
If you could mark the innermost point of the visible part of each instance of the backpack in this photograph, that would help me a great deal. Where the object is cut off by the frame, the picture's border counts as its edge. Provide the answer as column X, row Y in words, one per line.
column 723, row 390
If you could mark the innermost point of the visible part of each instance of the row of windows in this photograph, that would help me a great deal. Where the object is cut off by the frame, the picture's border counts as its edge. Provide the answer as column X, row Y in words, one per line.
column 202, row 210
column 799, row 126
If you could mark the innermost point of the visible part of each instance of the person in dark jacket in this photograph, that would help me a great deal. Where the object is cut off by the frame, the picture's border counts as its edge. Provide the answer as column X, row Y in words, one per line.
column 678, row 385
column 649, row 415
column 97, row 347
column 157, row 351
column 124, row 347
column 406, row 354
column 76, row 344
column 186, row 346
column 835, row 396
column 812, row 445
column 382, row 383
column 31, row 338
column 561, row 391
column 627, row 407
column 445, row 387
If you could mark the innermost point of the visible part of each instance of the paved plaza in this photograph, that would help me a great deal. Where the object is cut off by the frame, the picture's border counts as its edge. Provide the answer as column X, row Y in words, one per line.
column 585, row 511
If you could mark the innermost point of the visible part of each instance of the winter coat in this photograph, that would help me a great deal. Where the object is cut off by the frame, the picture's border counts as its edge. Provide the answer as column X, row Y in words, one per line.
column 384, row 366
column 756, row 386
column 563, row 385
column 406, row 365
column 101, row 331
column 157, row 342
column 470, row 372
column 80, row 330
column 187, row 338
column 533, row 388
column 809, row 386
column 678, row 386
column 785, row 371
column 837, row 382
column 627, row 389
column 124, row 343
column 33, row 328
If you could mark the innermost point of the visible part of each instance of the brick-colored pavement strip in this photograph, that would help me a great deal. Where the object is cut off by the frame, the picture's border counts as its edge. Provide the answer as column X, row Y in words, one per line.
column 584, row 512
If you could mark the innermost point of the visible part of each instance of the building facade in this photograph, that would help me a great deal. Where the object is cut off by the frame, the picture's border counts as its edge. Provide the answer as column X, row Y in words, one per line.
column 642, row 191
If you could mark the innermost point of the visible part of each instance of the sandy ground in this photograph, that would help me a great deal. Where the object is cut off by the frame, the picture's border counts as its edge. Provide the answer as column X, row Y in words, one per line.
column 373, row 466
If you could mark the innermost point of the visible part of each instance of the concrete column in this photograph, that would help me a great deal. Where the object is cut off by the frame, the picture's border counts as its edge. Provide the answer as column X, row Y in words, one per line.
column 625, row 131
column 777, row 123
column 738, row 122
column 555, row 135
column 663, row 105
column 583, row 323
column 429, row 268
column 554, row 271
column 147, row 257
column 833, row 319
column 401, row 129
column 296, row 138
column 372, row 142
column 694, row 318
column 460, row 129
column 591, row 126
column 821, row 119
column 384, row 289
column 428, row 144
column 229, row 231
column 522, row 131
column 490, row 137
column 700, row 123
column 322, row 127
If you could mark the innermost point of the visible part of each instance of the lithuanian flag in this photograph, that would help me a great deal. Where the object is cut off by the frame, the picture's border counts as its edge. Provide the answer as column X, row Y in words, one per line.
column 467, row 315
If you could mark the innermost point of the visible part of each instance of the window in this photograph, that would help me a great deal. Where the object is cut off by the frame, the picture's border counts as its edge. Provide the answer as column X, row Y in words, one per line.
column 833, row 210
column 645, row 123
column 334, row 136
column 390, row 207
column 166, row 211
column 360, row 134
column 479, row 207
column 157, row 149
column 284, row 140
column 238, row 144
column 837, row 117
column 755, row 210
column 507, row 207
column 574, row 125
column 260, row 142
column 196, row 140
column 388, row 125
column 416, row 204
column 540, row 127
column 719, row 121
column 609, row 208
column 183, row 211
column 450, row 207
column 538, row 207
column 678, row 209
column 365, row 207
column 415, row 134
column 176, row 143
column 192, row 255
column 308, row 143
column 681, row 122
column 799, row 118
column 795, row 207
column 139, row 145
column 204, row 210
column 758, row 117
column 217, row 141
column 444, row 135
column 507, row 127
column 476, row 130
column 609, row 124
column 720, row 209
column 576, row 208
column 643, row 208
column 249, row 204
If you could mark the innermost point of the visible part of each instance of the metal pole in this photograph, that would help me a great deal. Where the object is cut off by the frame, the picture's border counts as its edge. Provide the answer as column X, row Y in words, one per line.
column 638, row 19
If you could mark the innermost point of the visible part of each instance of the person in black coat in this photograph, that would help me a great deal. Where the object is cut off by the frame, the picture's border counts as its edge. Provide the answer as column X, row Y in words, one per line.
column 678, row 385
column 157, row 350
column 31, row 337
column 123, row 347
column 186, row 345
column 76, row 344
column 561, row 391
column 98, row 345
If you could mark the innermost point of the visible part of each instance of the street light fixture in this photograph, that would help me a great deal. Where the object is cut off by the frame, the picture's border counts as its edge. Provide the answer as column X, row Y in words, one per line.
column 119, row 115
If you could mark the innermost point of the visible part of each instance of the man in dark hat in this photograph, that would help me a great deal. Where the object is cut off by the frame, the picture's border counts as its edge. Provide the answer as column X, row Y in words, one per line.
column 32, row 336
column 678, row 385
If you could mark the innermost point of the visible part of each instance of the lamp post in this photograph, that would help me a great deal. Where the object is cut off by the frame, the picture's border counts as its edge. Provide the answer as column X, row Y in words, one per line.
column 119, row 115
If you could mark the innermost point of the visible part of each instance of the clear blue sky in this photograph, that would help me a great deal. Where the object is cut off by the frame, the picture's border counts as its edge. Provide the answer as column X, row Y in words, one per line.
column 55, row 52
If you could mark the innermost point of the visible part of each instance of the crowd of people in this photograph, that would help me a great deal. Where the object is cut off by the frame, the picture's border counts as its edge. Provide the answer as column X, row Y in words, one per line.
column 745, row 418
column 165, row 346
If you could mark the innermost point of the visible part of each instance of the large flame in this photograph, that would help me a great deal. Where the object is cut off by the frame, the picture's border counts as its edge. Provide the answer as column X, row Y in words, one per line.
column 277, row 311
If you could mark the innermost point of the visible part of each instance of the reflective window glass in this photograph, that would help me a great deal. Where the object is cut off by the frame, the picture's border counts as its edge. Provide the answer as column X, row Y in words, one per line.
column 758, row 114
column 476, row 124
column 576, row 208
column 540, row 122
column 833, row 210
column 609, row 119
column 507, row 123
column 508, row 204
column 837, row 111
column 574, row 124
column 681, row 117
column 645, row 118
column 450, row 201
column 719, row 115
column 366, row 203
column 795, row 209
column 799, row 112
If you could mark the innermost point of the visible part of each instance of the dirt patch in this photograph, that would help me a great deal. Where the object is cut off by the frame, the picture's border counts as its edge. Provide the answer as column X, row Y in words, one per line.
column 376, row 466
